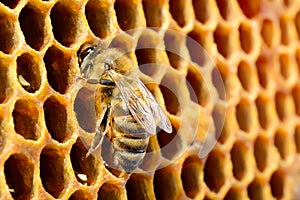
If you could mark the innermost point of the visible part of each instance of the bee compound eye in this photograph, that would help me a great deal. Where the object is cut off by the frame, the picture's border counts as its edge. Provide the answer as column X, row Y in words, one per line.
column 84, row 53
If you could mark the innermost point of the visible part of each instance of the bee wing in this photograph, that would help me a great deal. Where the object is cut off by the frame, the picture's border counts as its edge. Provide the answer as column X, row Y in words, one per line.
column 161, row 119
column 138, row 108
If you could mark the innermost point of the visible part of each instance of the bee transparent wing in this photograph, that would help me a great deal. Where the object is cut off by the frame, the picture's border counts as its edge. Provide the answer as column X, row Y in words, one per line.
column 138, row 108
column 159, row 114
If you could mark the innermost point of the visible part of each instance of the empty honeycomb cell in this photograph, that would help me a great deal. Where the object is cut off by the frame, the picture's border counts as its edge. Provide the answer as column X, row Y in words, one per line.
column 169, row 178
column 178, row 11
column 4, row 85
column 287, row 67
column 264, row 110
column 297, row 23
column 296, row 97
column 263, row 66
column 261, row 152
column 256, row 190
column 109, row 191
column 57, row 66
column 218, row 115
column 267, row 32
column 52, row 171
column 65, row 23
column 19, row 172
column 8, row 37
column 83, row 166
column 245, row 115
column 297, row 138
column 10, row 3
column 224, row 8
column 128, row 14
column 286, row 28
column 32, row 22
column 246, row 37
column 246, row 75
column 199, row 91
column 56, row 119
column 99, row 17
column 277, row 183
column 221, row 82
column 284, row 105
column 25, row 116
column 192, row 175
column 223, row 41
column 202, row 10
column 196, row 42
column 171, row 99
column 154, row 12
column 234, row 194
column 228, row 127
column 170, row 144
column 215, row 171
column 140, row 186
column 282, row 143
column 80, row 195
column 250, row 8
column 241, row 160
column 28, row 68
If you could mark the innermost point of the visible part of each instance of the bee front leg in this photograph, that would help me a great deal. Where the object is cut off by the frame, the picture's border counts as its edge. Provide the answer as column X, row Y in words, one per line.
column 101, row 130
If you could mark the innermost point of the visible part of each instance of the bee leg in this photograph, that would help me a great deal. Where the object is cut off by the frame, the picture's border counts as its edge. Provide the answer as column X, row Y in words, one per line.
column 101, row 129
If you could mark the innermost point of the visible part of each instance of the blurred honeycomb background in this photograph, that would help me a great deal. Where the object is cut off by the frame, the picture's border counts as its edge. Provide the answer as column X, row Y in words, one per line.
column 255, row 46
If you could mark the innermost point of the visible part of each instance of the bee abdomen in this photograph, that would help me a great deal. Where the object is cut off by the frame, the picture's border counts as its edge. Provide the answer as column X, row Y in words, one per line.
column 133, row 145
column 128, row 125
column 127, row 160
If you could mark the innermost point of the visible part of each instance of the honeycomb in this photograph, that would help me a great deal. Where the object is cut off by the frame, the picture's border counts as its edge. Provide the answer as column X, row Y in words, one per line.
column 255, row 48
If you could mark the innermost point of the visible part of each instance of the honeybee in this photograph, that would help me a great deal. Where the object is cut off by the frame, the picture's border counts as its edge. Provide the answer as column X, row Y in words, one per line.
column 129, row 112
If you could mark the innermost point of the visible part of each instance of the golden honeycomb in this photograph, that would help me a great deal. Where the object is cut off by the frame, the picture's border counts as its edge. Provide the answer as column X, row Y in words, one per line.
column 255, row 47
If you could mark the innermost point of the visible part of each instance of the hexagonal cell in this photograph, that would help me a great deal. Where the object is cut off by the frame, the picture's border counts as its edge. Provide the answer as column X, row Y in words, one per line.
column 129, row 14
column 199, row 91
column 57, row 66
column 8, row 37
column 224, row 8
column 267, row 32
column 265, row 110
column 219, row 114
column 109, row 191
column 297, row 138
column 284, row 105
column 250, row 8
column 178, row 11
column 263, row 66
column 140, row 186
column 25, row 116
column 28, row 72
column 287, row 66
column 246, row 75
column 222, row 82
column 228, row 127
column 261, row 152
column 222, row 38
column 154, row 12
column 245, row 115
column 256, row 189
column 56, row 119
column 10, row 3
column 277, row 184
column 32, row 22
column 85, row 169
column 52, row 171
column 65, row 23
column 297, row 23
column 196, row 42
column 80, row 195
column 191, row 176
column 5, row 89
column 241, row 160
column 286, row 27
column 214, row 171
column 99, row 17
column 234, row 193
column 167, row 177
column 283, row 143
column 246, row 37
column 19, row 170
column 296, row 98
column 202, row 10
